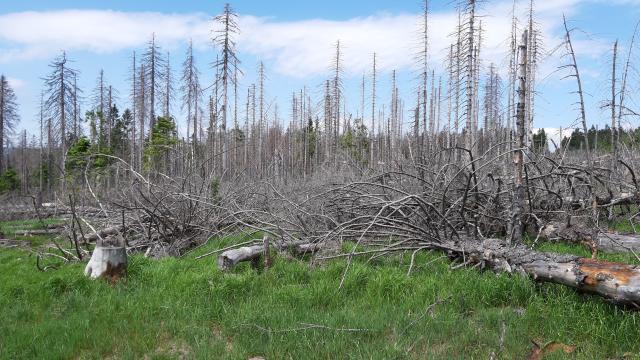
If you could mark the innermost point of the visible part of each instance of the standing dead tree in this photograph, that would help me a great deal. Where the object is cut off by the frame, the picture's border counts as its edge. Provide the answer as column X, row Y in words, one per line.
column 191, row 94
column 59, row 93
column 8, row 116
column 575, row 72
column 227, row 65
column 515, row 234
column 153, row 69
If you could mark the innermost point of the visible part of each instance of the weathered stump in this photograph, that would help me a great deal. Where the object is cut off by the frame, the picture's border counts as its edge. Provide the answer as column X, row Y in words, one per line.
column 107, row 262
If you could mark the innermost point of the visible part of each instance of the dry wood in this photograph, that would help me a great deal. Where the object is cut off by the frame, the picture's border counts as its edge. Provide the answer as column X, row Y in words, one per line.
column 619, row 283
column 100, row 234
column 107, row 262
column 604, row 241
column 230, row 258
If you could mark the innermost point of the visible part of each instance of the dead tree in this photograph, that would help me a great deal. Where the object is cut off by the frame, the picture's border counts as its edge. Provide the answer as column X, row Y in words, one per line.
column 142, row 111
column 133, row 97
column 59, row 101
column 8, row 116
column 153, row 68
column 614, row 127
column 372, row 136
column 191, row 93
column 470, row 49
column 519, row 190
column 227, row 66
column 583, row 117
column 168, row 92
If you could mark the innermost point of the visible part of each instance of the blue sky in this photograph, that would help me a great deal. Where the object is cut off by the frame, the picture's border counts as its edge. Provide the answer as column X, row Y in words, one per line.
column 295, row 40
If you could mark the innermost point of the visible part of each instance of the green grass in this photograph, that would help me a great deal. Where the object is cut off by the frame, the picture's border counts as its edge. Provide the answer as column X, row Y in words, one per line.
column 623, row 226
column 186, row 307
column 9, row 228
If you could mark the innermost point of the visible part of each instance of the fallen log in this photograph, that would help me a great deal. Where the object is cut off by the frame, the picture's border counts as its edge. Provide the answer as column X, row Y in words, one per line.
column 8, row 243
column 101, row 234
column 37, row 232
column 618, row 283
column 305, row 248
column 230, row 258
column 107, row 262
column 611, row 242
column 605, row 241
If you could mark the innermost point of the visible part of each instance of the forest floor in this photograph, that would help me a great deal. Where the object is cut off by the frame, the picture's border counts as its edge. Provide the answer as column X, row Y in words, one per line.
column 187, row 308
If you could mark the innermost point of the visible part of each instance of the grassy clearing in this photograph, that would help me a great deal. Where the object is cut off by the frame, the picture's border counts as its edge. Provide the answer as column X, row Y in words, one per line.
column 172, row 308
column 9, row 228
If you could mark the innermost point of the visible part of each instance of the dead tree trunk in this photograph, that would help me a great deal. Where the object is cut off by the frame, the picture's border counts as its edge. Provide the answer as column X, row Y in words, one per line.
column 519, row 190
column 604, row 241
column 619, row 283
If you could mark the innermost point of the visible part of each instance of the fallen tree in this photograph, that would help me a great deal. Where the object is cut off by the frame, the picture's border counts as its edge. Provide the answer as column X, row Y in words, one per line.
column 603, row 241
column 103, row 233
column 619, row 283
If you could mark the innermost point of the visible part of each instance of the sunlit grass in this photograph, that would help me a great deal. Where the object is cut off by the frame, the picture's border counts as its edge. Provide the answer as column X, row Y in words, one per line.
column 186, row 307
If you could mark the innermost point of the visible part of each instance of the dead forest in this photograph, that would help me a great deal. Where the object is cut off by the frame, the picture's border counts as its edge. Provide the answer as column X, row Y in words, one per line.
column 459, row 168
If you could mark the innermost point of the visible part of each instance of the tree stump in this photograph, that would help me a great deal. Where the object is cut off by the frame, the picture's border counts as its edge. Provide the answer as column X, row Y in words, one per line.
column 107, row 262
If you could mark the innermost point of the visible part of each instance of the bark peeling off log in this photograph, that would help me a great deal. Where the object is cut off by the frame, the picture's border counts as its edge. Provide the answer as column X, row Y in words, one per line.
column 107, row 262
column 619, row 283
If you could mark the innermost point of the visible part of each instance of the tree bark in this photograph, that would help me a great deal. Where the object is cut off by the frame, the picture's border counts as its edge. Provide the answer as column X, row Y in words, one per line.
column 515, row 234
column 230, row 258
column 607, row 242
column 618, row 283
column 107, row 262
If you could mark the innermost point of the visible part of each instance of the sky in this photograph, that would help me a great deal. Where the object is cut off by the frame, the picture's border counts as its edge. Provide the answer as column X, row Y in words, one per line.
column 296, row 40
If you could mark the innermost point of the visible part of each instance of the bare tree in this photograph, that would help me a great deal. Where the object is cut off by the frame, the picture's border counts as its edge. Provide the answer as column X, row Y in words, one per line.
column 261, row 115
column 575, row 72
column 424, row 61
column 470, row 48
column 227, row 65
column 76, row 110
column 99, row 96
column 8, row 116
column 167, row 92
column 625, row 73
column 373, row 109
column 141, row 102
column 191, row 91
column 336, row 97
column 59, row 93
column 519, row 190
column 614, row 127
column 133, row 97
column 154, row 66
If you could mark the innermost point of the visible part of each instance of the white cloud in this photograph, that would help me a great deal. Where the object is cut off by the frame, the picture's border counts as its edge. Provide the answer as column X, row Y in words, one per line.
column 16, row 84
column 37, row 34
column 297, row 48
